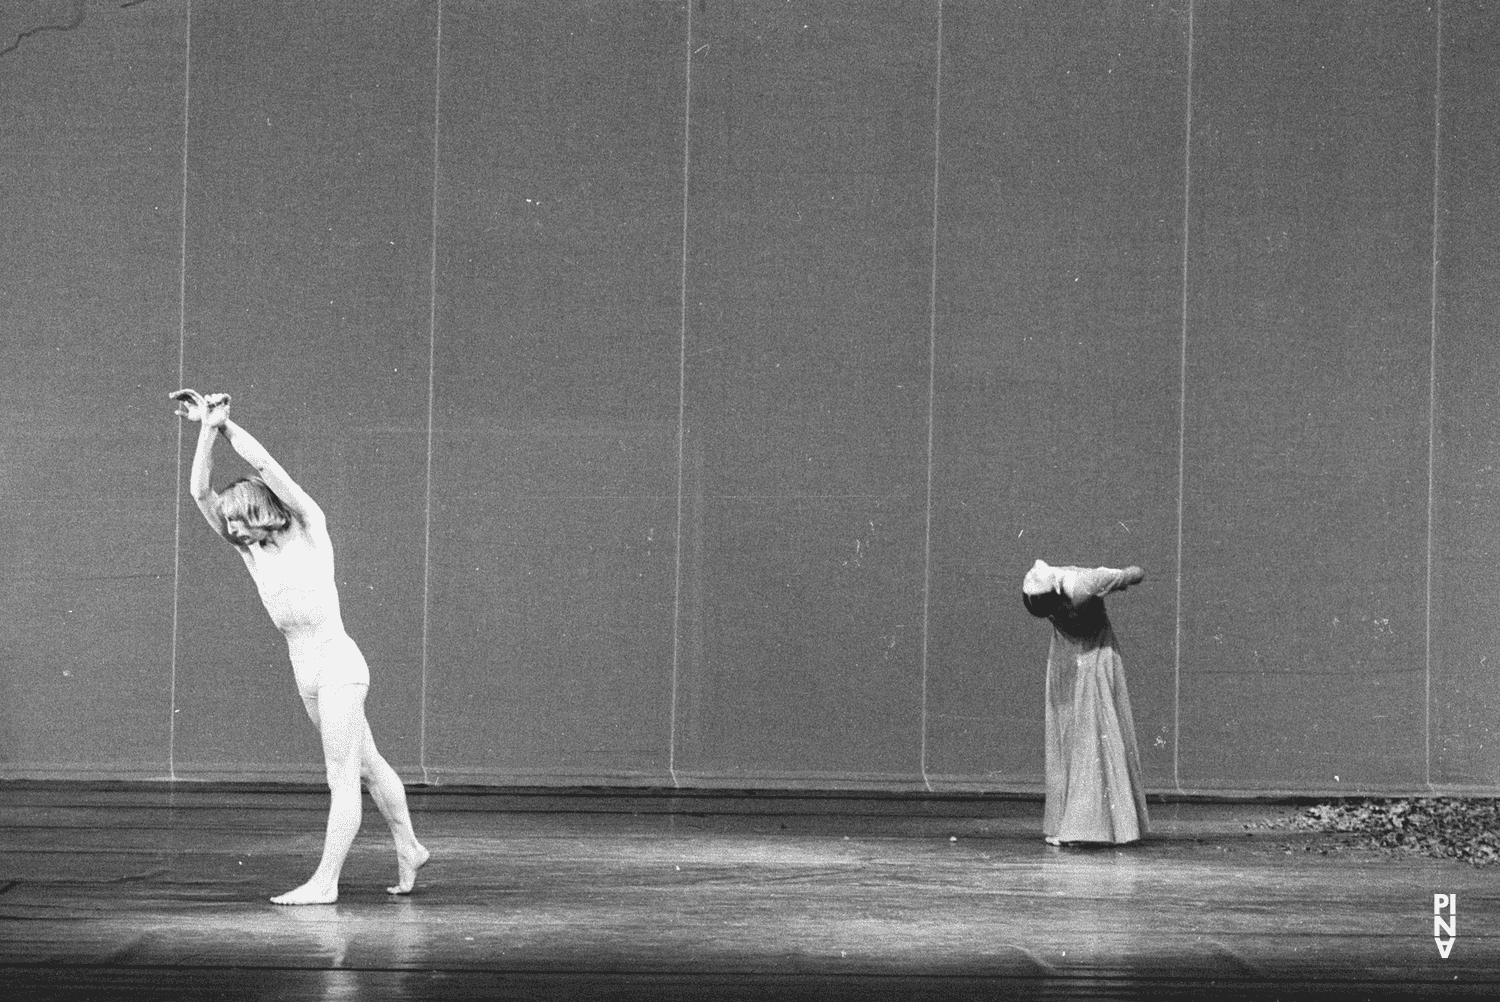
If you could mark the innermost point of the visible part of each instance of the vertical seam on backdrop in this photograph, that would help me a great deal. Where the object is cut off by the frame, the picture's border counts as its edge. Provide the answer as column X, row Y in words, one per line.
column 937, row 137
column 687, row 124
column 437, row 98
column 1437, row 125
column 187, row 92
column 1187, row 188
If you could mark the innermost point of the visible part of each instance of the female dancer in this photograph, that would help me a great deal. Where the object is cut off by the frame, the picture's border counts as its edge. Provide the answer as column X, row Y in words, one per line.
column 1094, row 790
column 281, row 535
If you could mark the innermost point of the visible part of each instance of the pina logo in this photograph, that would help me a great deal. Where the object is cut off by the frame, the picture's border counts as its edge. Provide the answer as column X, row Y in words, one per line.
column 1444, row 926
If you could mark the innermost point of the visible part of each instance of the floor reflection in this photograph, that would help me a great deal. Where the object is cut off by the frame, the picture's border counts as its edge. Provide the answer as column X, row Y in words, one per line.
column 841, row 894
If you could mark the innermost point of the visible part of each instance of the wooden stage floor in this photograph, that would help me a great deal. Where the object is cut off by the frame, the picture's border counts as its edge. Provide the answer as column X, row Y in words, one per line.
column 159, row 892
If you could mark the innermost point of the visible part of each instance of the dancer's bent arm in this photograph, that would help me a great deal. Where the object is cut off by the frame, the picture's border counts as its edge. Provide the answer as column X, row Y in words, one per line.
column 211, row 413
column 1081, row 584
column 299, row 504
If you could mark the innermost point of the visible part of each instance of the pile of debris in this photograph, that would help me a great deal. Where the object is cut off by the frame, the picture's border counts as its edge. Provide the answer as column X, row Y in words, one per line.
column 1444, row 827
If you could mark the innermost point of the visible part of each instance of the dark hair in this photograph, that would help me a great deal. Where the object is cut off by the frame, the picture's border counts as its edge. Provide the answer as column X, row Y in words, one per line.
column 1044, row 605
column 249, row 500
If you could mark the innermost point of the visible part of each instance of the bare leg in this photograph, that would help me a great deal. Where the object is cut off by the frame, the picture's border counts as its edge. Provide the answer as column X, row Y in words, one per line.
column 341, row 722
column 389, row 795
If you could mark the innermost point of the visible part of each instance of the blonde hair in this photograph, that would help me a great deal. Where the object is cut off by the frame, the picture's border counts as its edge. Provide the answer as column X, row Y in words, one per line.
column 249, row 500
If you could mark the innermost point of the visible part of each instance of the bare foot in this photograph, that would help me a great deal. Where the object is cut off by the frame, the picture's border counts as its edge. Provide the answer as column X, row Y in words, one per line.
column 309, row 893
column 406, row 870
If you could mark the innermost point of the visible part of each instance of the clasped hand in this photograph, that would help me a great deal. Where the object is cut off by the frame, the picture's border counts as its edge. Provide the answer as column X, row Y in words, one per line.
column 212, row 410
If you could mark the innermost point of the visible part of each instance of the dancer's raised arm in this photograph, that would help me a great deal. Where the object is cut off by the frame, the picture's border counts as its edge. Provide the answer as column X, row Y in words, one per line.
column 298, row 503
column 211, row 412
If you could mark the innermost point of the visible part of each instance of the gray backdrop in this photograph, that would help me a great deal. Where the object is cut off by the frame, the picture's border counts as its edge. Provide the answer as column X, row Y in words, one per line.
column 690, row 386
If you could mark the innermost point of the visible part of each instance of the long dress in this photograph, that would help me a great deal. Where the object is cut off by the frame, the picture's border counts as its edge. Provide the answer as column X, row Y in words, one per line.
column 1093, row 771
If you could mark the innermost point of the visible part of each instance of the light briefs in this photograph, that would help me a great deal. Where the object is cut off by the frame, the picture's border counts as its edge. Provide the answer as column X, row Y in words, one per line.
column 332, row 659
